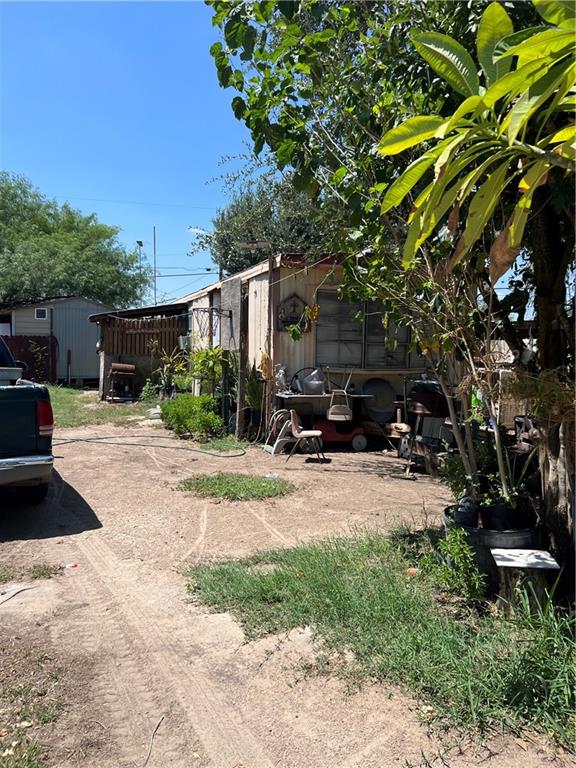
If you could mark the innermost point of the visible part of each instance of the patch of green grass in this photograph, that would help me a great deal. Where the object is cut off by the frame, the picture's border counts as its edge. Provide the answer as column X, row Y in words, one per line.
column 227, row 443
column 18, row 754
column 6, row 573
column 477, row 669
column 43, row 571
column 235, row 487
column 47, row 712
column 77, row 408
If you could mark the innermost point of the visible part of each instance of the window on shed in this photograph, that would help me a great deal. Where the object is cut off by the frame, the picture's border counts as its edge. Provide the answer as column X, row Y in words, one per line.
column 353, row 334
column 338, row 332
column 5, row 325
column 40, row 314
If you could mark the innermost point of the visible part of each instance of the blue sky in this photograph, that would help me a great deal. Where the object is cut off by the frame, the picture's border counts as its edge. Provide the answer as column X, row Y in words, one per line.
column 116, row 108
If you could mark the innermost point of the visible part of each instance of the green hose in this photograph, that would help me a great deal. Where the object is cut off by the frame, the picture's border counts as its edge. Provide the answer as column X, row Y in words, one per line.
column 114, row 440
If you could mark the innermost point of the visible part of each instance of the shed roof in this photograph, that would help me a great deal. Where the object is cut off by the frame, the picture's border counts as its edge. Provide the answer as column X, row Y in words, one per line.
column 49, row 300
column 289, row 260
column 157, row 310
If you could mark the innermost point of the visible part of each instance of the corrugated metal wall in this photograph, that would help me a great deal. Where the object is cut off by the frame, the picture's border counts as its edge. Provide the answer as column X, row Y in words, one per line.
column 74, row 332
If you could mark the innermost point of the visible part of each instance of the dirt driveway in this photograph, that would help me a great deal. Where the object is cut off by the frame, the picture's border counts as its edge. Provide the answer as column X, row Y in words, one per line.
column 152, row 679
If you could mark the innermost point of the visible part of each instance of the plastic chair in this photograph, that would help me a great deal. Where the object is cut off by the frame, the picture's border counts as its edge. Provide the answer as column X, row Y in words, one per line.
column 300, row 435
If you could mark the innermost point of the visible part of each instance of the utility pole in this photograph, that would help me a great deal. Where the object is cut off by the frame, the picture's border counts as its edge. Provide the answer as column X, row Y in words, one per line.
column 140, row 245
column 154, row 246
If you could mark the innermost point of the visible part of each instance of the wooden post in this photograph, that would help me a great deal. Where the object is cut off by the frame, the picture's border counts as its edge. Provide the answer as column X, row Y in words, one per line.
column 226, row 388
column 270, row 384
column 242, row 362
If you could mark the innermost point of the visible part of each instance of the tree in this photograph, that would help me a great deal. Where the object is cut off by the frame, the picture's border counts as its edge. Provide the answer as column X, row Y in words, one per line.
column 269, row 211
column 322, row 83
column 50, row 251
column 509, row 142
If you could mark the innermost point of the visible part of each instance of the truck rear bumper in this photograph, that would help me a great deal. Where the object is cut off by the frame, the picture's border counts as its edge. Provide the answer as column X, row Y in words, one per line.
column 26, row 470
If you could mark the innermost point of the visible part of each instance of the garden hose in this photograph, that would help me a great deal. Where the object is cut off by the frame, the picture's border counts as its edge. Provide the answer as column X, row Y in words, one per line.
column 116, row 440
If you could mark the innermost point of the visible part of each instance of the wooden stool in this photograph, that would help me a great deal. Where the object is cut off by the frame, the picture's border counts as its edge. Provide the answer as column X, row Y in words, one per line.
column 515, row 566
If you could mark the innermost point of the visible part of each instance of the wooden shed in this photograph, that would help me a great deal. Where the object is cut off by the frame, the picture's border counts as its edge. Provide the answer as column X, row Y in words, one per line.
column 132, row 335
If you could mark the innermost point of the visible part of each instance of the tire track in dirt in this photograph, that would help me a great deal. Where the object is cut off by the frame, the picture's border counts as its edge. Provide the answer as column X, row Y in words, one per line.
column 200, row 544
column 129, row 697
column 220, row 729
column 275, row 533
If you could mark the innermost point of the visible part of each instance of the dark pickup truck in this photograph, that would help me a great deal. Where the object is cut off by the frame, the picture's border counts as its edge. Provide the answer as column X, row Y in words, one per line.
column 26, row 426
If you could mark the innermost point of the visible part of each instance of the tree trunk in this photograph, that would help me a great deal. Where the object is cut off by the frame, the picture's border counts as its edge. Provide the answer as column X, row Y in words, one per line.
column 553, row 251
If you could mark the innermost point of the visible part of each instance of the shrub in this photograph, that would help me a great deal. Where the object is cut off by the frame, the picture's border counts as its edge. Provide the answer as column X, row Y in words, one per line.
column 189, row 415
column 459, row 573
column 148, row 392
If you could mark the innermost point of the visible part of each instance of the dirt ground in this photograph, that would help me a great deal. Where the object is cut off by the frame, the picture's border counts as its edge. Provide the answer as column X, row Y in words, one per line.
column 148, row 678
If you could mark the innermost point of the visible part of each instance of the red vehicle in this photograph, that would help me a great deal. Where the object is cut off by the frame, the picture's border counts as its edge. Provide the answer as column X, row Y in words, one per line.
column 342, row 432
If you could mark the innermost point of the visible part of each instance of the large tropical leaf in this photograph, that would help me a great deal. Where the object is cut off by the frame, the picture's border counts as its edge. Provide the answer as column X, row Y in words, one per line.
column 555, row 11
column 564, row 134
column 513, row 83
column 480, row 211
column 398, row 190
column 560, row 78
column 507, row 245
column 413, row 131
column 450, row 60
column 546, row 44
column 435, row 201
column 494, row 25
column 468, row 106
column 451, row 171
column 510, row 41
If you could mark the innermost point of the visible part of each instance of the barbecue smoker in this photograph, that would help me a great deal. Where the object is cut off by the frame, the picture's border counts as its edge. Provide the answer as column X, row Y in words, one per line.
column 121, row 382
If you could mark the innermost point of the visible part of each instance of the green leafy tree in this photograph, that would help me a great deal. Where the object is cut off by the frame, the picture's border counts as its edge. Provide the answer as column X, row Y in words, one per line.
column 49, row 250
column 268, row 211
column 319, row 85
column 510, row 143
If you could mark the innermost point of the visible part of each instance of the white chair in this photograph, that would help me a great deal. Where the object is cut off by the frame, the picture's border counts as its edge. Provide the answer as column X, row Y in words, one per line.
column 300, row 435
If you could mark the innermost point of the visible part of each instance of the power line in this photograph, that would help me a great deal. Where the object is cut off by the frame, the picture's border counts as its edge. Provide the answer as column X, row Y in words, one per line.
column 137, row 202
column 186, row 274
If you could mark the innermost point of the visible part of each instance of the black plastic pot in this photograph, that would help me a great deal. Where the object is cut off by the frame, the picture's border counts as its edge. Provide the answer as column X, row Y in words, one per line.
column 498, row 517
column 483, row 539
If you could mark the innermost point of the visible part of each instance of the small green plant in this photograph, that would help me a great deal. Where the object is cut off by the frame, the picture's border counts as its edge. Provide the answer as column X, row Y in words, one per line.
column 452, row 472
column 184, row 382
column 236, row 487
column 43, row 571
column 254, row 390
column 190, row 415
column 6, row 573
column 459, row 572
column 171, row 364
column 47, row 712
column 17, row 754
column 226, row 443
column 206, row 366
column 148, row 393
